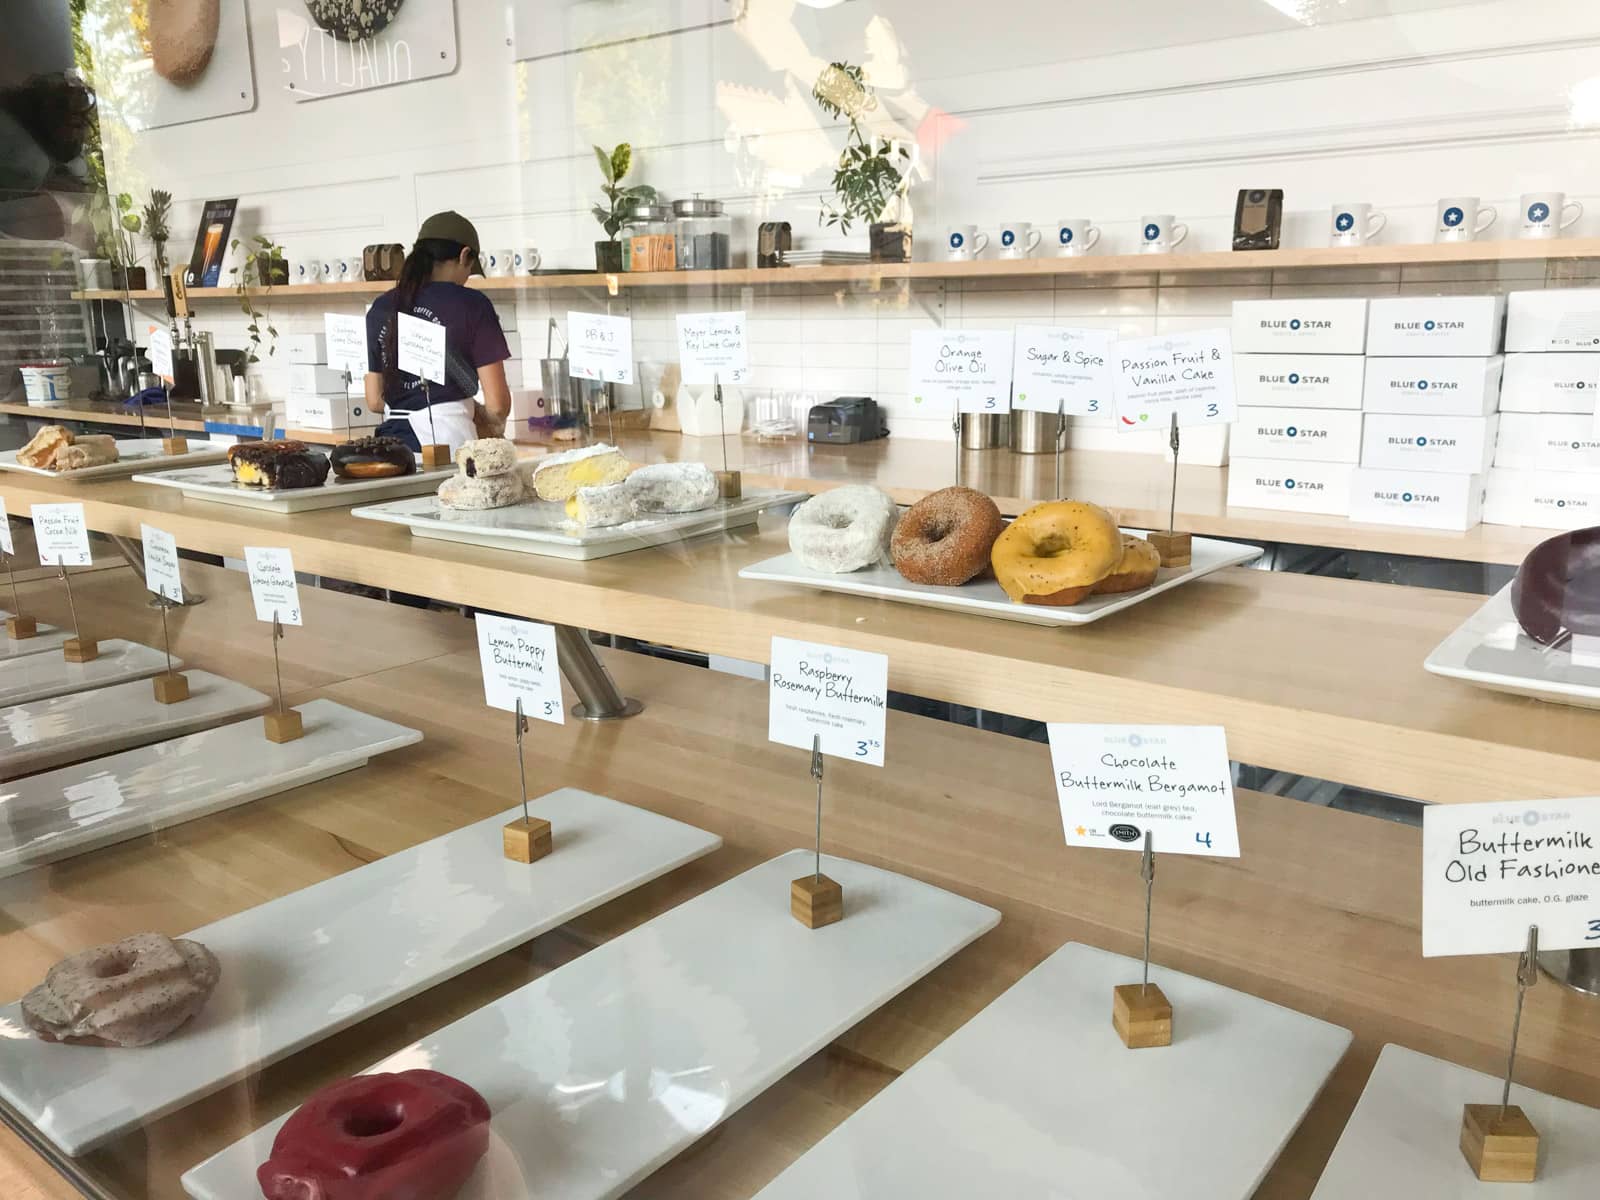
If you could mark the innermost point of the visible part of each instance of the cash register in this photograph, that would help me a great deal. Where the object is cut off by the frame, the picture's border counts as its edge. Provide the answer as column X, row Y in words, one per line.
column 847, row 420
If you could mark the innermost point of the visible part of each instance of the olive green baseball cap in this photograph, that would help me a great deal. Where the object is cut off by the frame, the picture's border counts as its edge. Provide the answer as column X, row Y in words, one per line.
column 451, row 226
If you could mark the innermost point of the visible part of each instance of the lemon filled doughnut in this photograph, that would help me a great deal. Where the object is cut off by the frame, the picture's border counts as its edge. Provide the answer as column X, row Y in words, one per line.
column 945, row 538
column 843, row 530
column 1056, row 552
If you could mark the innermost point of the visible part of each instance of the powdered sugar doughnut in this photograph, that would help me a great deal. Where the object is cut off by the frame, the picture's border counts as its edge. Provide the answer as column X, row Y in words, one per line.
column 486, row 491
column 843, row 530
column 672, row 488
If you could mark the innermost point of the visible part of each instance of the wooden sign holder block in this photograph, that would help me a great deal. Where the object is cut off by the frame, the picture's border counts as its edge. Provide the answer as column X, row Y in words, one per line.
column 1141, row 1015
column 284, row 726
column 435, row 455
column 815, row 901
column 80, row 649
column 18, row 628
column 175, row 445
column 1500, row 1149
column 172, row 688
column 1175, row 549
column 527, row 839
column 730, row 485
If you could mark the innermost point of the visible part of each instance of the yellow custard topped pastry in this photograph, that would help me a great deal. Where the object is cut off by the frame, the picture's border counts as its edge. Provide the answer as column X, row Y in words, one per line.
column 561, row 475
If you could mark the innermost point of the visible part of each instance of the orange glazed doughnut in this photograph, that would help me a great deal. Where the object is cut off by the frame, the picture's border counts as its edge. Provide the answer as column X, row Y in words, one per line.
column 1056, row 552
column 1135, row 570
column 945, row 538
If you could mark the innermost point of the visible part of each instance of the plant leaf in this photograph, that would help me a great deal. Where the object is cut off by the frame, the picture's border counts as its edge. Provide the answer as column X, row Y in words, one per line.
column 605, row 164
column 621, row 161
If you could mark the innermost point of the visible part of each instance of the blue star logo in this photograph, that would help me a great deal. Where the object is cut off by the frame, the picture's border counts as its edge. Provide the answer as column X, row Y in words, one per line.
column 1295, row 324
column 1289, row 483
column 1293, row 378
column 1422, row 441
column 1066, row 235
column 1453, row 216
column 1151, row 232
column 1427, row 324
column 1344, row 222
column 1293, row 432
column 957, row 241
column 1561, row 503
column 1422, row 385
column 1007, row 237
column 1538, row 212
column 1406, row 497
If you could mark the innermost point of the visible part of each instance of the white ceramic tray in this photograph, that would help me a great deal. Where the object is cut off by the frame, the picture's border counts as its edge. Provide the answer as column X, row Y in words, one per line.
column 1491, row 651
column 40, row 676
column 72, row 810
column 136, row 454
column 604, row 1069
column 541, row 527
column 316, row 961
column 48, row 733
column 986, row 598
column 1403, row 1138
column 216, row 484
column 1037, row 1096
column 48, row 638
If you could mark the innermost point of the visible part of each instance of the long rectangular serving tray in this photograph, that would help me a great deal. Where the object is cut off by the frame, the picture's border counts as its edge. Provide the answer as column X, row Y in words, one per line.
column 216, row 485
column 1037, row 1096
column 541, row 527
column 602, row 1070
column 48, row 638
column 135, row 454
column 1490, row 650
column 304, row 966
column 72, row 810
column 986, row 598
column 41, row 676
column 47, row 733
column 1403, row 1138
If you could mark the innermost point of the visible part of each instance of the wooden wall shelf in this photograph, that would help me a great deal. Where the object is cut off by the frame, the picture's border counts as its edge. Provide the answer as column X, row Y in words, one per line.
column 1088, row 268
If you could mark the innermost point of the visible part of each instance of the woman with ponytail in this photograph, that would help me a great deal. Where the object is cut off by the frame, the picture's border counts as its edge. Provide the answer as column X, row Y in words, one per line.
column 432, row 287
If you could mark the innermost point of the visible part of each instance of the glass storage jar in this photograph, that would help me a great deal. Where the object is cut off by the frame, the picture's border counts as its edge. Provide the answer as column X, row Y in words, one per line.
column 705, row 235
column 653, row 242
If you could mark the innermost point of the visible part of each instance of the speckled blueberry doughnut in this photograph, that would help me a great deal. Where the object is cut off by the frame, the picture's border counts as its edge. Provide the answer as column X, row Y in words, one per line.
column 485, row 491
column 843, row 530
column 483, row 457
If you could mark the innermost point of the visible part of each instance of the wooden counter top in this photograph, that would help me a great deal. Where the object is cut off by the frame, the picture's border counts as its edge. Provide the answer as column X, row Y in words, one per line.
column 1321, row 913
column 1316, row 676
column 185, row 414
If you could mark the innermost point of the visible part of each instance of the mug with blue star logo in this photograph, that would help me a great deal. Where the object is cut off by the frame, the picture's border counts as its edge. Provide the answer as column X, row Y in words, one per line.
column 1074, row 236
column 1545, row 214
column 963, row 243
column 1018, row 239
column 1160, row 234
column 1460, row 219
column 1354, row 224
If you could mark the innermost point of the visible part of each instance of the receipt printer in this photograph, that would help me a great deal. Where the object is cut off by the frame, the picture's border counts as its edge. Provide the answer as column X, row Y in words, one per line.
column 845, row 420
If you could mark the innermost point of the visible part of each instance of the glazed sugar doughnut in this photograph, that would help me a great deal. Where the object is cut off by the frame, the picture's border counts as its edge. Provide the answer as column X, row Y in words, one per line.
column 128, row 993
column 183, row 34
column 486, row 456
column 945, row 538
column 560, row 475
column 672, row 488
column 485, row 491
column 1556, row 591
column 1056, row 552
column 600, row 507
column 411, row 1135
column 1135, row 570
column 843, row 530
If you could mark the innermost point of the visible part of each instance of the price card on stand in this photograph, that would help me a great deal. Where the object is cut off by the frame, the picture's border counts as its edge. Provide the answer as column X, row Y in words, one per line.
column 1062, row 370
column 967, row 370
column 840, row 695
column 6, row 544
column 1491, row 870
column 1114, row 782
column 61, row 535
column 712, row 346
column 347, row 342
column 1190, row 374
column 272, row 584
column 421, row 350
column 160, row 351
column 520, row 663
column 600, row 347
column 161, row 563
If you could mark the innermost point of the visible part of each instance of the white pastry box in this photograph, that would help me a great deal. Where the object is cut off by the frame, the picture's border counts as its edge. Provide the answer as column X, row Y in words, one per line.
column 1291, row 486
column 1554, row 319
column 1311, row 326
column 309, row 410
column 1299, row 434
column 314, row 379
column 1548, row 442
column 1402, row 442
column 1550, row 383
column 1542, row 499
column 1436, row 325
column 1419, row 499
column 305, row 348
column 1446, row 387
column 1298, row 380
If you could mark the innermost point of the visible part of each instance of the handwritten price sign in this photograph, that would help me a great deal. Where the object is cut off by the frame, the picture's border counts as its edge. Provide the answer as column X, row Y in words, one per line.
column 1190, row 374
column 601, row 347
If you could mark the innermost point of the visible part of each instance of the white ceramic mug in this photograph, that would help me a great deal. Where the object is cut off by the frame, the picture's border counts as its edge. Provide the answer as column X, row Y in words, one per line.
column 963, row 243
column 497, row 263
column 1074, row 235
column 526, row 261
column 1459, row 219
column 1354, row 225
column 341, row 271
column 327, row 271
column 357, row 267
column 1160, row 234
column 303, row 271
column 1544, row 214
column 1018, row 239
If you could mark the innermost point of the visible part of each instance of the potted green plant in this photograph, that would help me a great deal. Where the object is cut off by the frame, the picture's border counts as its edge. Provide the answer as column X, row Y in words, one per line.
column 873, row 172
column 259, row 269
column 613, row 215
column 115, row 224
column 157, row 211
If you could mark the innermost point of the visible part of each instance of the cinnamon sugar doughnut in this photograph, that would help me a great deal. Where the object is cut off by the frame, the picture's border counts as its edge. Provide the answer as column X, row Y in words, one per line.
column 945, row 538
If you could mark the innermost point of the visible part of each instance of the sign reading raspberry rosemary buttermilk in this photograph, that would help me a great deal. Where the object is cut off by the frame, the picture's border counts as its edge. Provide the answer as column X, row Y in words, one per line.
column 1491, row 870
column 520, row 663
column 1063, row 370
column 1115, row 782
column 600, row 347
column 839, row 695
column 961, row 370
column 1190, row 374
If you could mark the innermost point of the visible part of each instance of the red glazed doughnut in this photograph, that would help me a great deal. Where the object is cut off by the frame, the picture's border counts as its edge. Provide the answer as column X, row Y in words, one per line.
column 416, row 1135
column 945, row 537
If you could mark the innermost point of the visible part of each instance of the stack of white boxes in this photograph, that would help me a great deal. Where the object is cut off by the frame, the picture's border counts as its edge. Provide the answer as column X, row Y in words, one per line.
column 1431, row 399
column 318, row 397
column 1298, row 373
column 1547, row 466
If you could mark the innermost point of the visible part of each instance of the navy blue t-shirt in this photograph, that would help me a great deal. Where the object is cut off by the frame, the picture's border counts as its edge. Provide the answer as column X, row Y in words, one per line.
column 472, row 339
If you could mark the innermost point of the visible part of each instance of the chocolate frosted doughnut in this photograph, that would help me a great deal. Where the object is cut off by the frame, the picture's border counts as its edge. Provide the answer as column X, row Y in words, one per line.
column 945, row 538
column 1556, row 591
column 373, row 458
